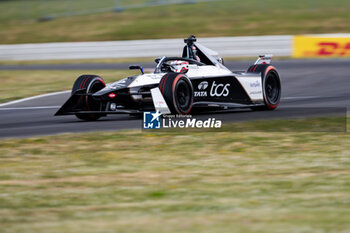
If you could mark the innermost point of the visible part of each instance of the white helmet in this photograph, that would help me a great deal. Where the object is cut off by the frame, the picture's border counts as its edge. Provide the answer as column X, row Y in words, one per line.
column 179, row 66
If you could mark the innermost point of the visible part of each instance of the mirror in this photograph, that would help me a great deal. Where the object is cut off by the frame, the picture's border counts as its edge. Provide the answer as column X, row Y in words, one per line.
column 137, row 67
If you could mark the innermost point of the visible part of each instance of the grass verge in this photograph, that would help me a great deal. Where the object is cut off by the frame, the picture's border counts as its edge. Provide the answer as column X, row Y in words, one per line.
column 20, row 84
column 176, row 182
column 223, row 18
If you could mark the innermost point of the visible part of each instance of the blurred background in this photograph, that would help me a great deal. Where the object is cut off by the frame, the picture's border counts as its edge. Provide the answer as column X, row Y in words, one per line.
column 36, row 9
column 23, row 21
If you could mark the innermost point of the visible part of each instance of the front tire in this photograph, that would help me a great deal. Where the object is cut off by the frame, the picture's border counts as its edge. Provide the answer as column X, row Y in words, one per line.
column 90, row 84
column 177, row 91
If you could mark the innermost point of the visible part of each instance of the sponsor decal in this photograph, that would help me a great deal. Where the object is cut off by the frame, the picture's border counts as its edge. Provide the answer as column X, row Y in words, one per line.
column 154, row 120
column 151, row 76
column 219, row 89
column 200, row 94
column 309, row 46
column 203, row 85
column 255, row 84
column 255, row 92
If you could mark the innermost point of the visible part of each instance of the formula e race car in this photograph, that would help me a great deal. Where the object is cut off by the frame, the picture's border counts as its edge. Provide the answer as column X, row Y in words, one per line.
column 197, row 81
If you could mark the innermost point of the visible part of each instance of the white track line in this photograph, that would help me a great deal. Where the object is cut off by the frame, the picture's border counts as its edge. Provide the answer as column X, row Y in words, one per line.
column 64, row 92
column 33, row 97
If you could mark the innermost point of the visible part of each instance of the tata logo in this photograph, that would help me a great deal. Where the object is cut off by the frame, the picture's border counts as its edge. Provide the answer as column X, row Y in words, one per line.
column 200, row 94
column 219, row 89
column 151, row 120
column 203, row 85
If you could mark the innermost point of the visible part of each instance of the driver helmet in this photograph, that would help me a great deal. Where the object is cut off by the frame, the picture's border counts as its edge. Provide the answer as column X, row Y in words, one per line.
column 194, row 49
column 179, row 66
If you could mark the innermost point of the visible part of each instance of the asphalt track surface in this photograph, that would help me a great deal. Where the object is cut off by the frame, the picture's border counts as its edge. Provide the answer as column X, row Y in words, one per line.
column 309, row 88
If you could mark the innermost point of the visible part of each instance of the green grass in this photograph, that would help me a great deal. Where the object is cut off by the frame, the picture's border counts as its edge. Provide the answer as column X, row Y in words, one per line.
column 177, row 182
column 20, row 84
column 224, row 18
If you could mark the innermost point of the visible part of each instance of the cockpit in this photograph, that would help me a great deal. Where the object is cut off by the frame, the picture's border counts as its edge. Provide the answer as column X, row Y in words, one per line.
column 193, row 54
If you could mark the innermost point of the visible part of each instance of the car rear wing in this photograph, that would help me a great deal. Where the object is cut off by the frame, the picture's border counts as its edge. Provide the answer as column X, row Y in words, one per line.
column 264, row 59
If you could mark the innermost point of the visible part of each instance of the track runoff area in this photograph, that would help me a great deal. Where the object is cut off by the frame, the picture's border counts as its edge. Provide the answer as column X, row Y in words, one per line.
column 310, row 88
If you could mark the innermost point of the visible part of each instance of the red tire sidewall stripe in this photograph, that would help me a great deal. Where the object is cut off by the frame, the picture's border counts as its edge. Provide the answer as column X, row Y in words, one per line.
column 80, row 86
column 161, row 83
column 102, row 81
column 173, row 91
column 83, row 86
column 85, row 82
column 268, row 104
column 164, row 82
column 81, row 83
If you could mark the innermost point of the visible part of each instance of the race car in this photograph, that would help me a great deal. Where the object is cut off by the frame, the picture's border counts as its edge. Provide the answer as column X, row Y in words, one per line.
column 197, row 81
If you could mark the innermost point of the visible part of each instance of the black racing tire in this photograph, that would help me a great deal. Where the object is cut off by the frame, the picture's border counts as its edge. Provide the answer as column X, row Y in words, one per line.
column 177, row 91
column 90, row 84
column 271, row 89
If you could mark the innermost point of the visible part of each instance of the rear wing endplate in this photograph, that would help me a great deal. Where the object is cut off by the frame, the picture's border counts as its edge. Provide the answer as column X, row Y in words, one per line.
column 264, row 59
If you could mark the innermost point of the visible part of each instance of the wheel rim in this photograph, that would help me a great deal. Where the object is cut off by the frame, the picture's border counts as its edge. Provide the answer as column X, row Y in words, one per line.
column 95, row 87
column 272, row 88
column 183, row 96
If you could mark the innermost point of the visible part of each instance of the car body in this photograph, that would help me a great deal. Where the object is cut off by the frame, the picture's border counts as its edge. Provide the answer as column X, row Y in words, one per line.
column 197, row 81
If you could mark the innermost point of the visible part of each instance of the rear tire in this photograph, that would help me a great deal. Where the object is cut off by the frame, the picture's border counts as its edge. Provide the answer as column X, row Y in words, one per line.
column 177, row 91
column 91, row 84
column 271, row 89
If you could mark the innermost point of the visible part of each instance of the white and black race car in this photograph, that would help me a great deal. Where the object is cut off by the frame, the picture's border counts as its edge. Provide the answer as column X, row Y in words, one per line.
column 197, row 81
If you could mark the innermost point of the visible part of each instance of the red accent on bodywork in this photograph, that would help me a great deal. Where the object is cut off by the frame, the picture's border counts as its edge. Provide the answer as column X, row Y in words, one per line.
column 112, row 95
